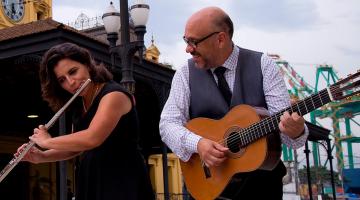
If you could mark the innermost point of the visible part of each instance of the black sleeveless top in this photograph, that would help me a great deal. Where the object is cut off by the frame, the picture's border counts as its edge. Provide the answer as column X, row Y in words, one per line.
column 115, row 169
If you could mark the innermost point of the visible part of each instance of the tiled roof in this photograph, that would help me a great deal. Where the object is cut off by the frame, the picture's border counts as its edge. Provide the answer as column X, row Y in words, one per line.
column 36, row 27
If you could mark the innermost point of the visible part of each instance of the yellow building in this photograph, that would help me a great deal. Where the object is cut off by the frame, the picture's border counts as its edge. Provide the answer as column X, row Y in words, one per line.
column 152, row 53
column 174, row 174
column 14, row 12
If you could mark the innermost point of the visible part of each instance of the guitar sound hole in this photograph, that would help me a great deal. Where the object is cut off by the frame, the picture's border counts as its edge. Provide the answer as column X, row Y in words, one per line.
column 233, row 142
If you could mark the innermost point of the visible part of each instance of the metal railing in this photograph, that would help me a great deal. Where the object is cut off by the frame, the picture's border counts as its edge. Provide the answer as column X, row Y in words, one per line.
column 84, row 22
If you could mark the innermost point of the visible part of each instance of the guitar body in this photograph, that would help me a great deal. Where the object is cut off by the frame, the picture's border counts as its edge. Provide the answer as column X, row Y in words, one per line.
column 257, row 155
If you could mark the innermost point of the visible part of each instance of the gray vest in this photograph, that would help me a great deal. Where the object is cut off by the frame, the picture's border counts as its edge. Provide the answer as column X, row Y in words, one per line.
column 206, row 99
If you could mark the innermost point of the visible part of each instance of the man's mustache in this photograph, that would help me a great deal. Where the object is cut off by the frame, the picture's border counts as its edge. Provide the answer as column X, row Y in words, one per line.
column 194, row 53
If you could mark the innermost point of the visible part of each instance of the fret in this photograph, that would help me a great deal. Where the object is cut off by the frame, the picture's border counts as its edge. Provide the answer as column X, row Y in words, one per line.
column 254, row 134
column 276, row 117
column 247, row 135
column 317, row 101
column 291, row 107
column 276, row 124
column 259, row 128
column 302, row 108
column 320, row 99
column 264, row 128
column 327, row 98
column 272, row 122
column 250, row 134
column 297, row 105
column 330, row 94
column 306, row 109
column 268, row 124
column 256, row 129
column 314, row 107
column 257, row 133
column 262, row 132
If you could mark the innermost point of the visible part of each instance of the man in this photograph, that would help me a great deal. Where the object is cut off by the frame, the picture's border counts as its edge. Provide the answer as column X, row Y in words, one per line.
column 252, row 78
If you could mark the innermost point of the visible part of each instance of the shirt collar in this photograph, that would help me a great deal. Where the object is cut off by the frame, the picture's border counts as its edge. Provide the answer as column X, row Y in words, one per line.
column 231, row 62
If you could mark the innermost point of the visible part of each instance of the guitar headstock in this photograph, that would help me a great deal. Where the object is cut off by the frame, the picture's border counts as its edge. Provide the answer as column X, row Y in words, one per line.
column 347, row 87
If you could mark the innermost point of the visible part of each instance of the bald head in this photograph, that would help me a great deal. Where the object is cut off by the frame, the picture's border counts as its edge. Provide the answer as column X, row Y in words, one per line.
column 211, row 19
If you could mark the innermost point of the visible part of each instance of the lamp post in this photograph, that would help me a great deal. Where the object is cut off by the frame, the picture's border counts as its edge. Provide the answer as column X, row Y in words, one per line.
column 127, row 49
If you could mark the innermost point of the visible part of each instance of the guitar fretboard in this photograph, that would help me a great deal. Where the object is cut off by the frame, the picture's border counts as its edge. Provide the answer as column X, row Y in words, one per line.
column 271, row 124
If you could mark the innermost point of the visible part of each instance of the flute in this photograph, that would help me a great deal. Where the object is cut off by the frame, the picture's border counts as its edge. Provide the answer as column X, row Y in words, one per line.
column 30, row 144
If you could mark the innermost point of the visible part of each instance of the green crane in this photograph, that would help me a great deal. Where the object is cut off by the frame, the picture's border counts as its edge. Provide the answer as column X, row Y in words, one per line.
column 345, row 109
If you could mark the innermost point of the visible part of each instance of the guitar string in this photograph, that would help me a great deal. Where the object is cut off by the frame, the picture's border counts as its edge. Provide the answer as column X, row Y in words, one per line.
column 244, row 135
column 334, row 89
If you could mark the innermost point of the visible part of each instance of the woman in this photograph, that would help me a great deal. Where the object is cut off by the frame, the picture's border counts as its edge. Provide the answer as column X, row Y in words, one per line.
column 104, row 128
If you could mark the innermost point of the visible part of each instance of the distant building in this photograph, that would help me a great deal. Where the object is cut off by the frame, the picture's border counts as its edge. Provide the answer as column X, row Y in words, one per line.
column 152, row 52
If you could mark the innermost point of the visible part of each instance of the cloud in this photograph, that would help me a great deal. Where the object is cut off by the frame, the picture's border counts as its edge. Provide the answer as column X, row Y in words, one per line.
column 349, row 51
column 275, row 15
column 170, row 16
column 301, row 31
column 69, row 14
column 174, row 54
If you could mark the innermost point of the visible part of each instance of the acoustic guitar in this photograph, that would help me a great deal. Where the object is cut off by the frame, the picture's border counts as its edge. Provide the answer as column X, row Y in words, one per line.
column 253, row 143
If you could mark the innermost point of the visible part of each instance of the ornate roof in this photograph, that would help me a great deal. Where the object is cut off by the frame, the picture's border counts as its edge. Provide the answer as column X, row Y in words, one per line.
column 37, row 27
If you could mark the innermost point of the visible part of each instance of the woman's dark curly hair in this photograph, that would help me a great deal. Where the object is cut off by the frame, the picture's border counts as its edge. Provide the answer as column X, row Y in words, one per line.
column 51, row 90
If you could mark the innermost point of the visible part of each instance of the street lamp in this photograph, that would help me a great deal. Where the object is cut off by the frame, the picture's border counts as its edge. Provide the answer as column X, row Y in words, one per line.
column 113, row 21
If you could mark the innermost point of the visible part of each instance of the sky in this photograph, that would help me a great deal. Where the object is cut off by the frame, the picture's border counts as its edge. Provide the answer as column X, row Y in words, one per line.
column 305, row 33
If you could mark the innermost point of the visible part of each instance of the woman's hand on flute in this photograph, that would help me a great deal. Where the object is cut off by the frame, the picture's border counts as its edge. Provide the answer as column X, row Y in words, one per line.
column 34, row 155
column 40, row 136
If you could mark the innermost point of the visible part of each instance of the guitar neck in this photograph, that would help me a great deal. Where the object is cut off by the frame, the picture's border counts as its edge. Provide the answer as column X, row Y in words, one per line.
column 271, row 124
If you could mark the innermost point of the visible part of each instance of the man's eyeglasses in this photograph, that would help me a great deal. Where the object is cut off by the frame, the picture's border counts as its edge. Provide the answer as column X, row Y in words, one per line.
column 193, row 42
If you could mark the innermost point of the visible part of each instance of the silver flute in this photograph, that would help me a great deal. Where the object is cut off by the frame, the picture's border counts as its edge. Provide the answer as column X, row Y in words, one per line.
column 17, row 158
